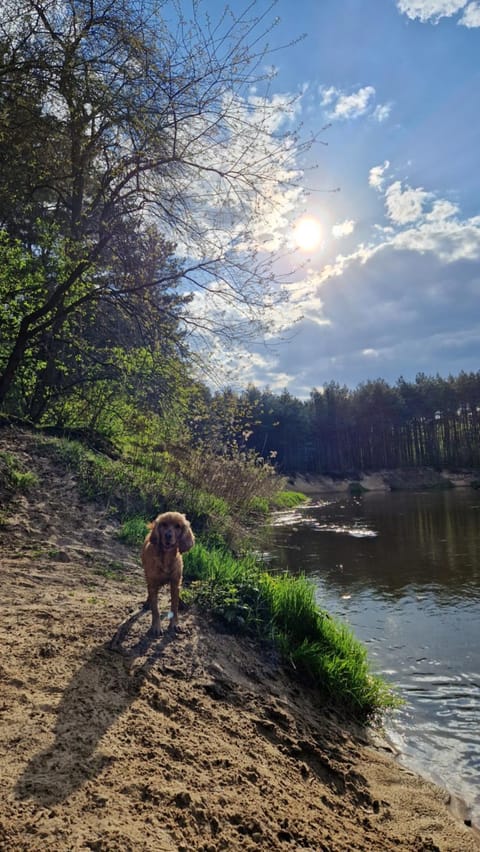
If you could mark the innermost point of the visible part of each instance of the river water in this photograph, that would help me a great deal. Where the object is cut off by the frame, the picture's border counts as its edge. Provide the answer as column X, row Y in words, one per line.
column 403, row 570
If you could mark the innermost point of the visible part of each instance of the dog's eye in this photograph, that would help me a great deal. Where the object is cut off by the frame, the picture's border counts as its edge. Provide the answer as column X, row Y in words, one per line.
column 177, row 526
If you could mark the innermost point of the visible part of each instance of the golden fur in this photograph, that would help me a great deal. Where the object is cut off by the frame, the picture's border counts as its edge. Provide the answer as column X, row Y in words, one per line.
column 170, row 535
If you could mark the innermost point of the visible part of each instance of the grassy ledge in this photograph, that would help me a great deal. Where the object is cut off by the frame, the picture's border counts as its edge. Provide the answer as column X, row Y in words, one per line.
column 320, row 649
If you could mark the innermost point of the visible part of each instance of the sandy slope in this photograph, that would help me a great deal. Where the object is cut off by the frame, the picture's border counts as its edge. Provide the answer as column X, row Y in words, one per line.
column 197, row 743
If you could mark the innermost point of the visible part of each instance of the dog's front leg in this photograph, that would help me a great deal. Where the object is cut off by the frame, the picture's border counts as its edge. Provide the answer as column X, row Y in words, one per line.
column 152, row 604
column 174, row 604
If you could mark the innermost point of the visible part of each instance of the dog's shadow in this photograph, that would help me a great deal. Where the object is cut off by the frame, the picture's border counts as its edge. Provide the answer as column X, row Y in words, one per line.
column 96, row 696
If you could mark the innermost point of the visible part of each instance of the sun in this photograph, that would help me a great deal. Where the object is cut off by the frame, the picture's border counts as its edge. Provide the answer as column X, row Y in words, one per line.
column 308, row 233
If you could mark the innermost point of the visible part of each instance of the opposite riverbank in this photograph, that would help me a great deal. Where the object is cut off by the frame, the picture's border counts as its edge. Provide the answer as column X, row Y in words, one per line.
column 413, row 479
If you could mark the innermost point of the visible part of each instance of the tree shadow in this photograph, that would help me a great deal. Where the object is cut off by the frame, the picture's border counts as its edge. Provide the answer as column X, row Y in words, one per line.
column 97, row 695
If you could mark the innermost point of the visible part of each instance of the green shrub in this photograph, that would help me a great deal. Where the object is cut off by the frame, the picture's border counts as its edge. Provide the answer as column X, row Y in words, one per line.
column 228, row 587
column 134, row 490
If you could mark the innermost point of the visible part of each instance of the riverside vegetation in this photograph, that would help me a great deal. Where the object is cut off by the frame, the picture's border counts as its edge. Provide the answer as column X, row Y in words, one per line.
column 223, row 573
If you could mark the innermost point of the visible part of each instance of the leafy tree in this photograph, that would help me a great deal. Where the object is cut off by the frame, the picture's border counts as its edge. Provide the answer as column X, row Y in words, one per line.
column 127, row 131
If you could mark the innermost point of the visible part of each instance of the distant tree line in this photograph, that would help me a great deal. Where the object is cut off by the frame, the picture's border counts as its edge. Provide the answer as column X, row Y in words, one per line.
column 431, row 421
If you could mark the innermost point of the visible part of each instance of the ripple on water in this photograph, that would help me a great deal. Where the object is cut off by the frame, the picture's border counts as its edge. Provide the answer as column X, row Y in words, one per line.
column 403, row 571
column 436, row 729
column 355, row 531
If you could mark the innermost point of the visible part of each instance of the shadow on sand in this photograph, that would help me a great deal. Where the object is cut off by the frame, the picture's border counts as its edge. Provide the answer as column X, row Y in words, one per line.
column 94, row 699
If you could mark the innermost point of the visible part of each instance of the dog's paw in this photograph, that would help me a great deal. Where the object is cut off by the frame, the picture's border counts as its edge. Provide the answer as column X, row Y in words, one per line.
column 155, row 632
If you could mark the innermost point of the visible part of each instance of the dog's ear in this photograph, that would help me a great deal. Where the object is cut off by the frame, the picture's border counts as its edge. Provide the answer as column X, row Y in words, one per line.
column 187, row 538
column 154, row 537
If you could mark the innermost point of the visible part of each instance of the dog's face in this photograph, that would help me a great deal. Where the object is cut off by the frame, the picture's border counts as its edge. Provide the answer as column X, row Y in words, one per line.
column 171, row 531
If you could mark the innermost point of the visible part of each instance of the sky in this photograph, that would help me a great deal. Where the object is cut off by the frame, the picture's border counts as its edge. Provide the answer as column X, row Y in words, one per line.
column 393, row 287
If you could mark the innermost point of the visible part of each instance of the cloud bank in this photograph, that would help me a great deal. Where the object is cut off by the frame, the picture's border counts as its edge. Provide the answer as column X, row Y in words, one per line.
column 433, row 10
column 409, row 297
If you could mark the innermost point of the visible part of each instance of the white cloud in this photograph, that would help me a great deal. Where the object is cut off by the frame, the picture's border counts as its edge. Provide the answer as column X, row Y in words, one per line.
column 442, row 209
column 430, row 10
column 351, row 106
column 303, row 300
column 433, row 10
column 343, row 229
column 328, row 94
column 381, row 112
column 376, row 175
column 448, row 240
column 471, row 16
column 404, row 205
column 404, row 302
column 345, row 106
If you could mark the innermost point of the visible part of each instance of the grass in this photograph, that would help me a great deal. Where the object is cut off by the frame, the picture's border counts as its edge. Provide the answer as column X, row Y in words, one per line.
column 281, row 500
column 320, row 649
column 288, row 499
column 133, row 531
column 12, row 476
column 133, row 491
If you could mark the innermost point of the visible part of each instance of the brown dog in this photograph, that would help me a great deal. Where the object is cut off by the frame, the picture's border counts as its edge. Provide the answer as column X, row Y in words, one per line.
column 170, row 535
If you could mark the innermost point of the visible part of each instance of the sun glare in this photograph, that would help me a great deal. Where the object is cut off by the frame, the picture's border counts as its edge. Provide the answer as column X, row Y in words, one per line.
column 308, row 233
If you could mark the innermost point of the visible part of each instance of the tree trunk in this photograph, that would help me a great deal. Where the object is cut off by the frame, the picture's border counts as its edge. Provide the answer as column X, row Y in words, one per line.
column 14, row 361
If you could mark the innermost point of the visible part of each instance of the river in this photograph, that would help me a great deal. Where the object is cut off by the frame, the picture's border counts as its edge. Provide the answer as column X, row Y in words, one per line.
column 403, row 570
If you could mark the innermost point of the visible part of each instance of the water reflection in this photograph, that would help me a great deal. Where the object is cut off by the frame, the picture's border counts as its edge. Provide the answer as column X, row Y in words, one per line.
column 404, row 571
column 389, row 543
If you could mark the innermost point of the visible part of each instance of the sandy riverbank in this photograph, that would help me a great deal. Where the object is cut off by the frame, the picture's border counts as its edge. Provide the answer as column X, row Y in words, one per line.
column 199, row 743
column 384, row 480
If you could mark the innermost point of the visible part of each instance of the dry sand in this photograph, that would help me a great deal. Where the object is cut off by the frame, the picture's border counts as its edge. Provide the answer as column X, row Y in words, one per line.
column 202, row 742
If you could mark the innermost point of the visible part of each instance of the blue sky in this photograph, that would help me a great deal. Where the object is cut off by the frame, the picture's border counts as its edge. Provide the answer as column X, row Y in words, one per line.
column 394, row 287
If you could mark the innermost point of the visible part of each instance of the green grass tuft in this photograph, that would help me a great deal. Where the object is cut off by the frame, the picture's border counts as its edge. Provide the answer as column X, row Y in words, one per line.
column 258, row 506
column 12, row 476
column 133, row 531
column 288, row 499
